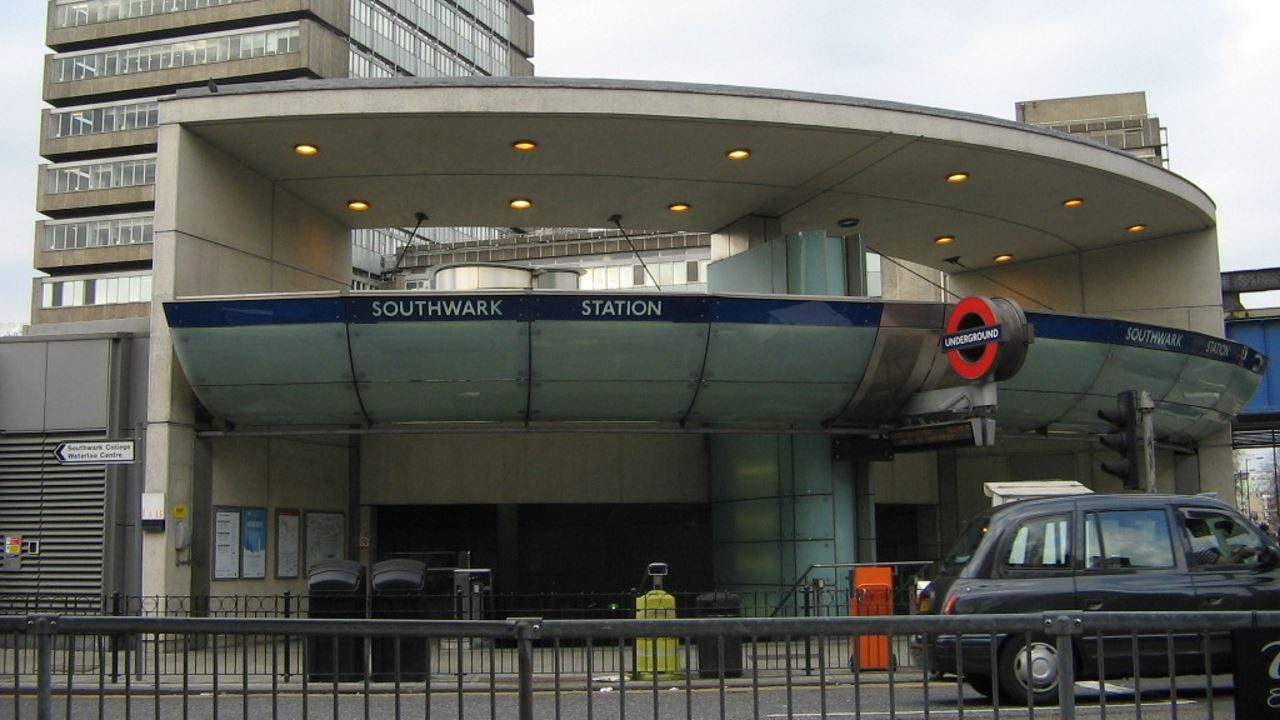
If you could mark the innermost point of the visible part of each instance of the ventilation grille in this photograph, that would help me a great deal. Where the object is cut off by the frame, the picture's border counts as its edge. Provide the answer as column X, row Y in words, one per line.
column 58, row 510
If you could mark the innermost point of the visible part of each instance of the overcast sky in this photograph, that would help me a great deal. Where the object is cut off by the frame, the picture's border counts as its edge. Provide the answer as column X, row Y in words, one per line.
column 1211, row 71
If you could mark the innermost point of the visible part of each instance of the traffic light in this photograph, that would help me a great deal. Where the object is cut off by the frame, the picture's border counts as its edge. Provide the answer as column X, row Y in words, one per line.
column 1124, row 439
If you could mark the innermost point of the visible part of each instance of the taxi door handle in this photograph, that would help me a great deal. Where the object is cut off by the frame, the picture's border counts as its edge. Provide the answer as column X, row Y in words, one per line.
column 1093, row 604
column 1212, row 600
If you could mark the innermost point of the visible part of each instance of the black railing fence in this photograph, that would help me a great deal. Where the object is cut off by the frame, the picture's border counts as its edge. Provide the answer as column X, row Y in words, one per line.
column 124, row 667
column 806, row 602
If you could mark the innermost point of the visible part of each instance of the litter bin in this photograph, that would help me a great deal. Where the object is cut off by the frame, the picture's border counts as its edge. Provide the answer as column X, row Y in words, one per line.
column 872, row 595
column 710, row 664
column 335, row 589
column 397, row 595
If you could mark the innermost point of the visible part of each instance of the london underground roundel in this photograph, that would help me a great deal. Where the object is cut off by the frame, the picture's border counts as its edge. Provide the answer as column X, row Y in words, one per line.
column 986, row 338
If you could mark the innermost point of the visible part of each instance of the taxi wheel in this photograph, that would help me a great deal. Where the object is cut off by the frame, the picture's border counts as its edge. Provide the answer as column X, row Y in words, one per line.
column 1029, row 671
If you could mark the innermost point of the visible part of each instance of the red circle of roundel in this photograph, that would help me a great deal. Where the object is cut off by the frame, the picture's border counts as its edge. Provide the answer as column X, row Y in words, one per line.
column 967, row 369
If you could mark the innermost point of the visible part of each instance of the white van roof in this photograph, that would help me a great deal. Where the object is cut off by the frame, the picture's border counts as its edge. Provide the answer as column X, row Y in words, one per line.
column 1003, row 492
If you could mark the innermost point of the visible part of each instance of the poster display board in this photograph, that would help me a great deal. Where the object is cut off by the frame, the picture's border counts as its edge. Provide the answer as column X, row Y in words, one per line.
column 226, row 543
column 325, row 536
column 253, row 543
column 288, row 537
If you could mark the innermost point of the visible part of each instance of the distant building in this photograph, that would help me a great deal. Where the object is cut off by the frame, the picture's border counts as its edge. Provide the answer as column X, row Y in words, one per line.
column 113, row 60
column 1120, row 120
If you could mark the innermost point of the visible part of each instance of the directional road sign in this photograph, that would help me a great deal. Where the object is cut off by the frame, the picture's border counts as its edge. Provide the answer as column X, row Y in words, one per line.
column 104, row 452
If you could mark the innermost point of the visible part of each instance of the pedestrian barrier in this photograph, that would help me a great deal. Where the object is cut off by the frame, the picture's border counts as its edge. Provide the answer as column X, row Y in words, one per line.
column 59, row 666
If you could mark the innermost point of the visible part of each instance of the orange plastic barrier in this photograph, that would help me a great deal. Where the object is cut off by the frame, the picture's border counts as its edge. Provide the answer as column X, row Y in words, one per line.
column 872, row 595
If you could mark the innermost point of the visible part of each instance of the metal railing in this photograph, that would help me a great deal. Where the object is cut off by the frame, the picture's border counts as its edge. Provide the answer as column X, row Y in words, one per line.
column 71, row 666
column 803, row 601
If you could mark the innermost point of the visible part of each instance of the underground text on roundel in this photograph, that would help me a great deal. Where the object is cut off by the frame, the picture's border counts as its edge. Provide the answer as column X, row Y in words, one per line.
column 975, row 337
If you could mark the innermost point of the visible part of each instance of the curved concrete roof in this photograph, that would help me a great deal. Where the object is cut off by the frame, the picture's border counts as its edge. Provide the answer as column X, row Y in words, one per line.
column 443, row 147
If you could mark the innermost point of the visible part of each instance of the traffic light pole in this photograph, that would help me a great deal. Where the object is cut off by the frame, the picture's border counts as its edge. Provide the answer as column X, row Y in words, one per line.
column 1146, row 441
column 1133, row 437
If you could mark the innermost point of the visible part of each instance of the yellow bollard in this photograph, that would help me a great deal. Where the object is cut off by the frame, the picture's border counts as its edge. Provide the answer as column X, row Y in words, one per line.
column 656, row 655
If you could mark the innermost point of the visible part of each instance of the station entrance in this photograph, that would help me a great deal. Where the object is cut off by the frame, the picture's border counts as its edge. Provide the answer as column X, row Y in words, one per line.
column 554, row 548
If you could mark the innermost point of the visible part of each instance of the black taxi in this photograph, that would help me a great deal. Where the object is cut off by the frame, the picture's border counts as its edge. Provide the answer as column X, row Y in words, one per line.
column 1095, row 553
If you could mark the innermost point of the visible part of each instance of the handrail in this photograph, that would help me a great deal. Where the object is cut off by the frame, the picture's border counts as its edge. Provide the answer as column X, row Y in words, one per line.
column 803, row 579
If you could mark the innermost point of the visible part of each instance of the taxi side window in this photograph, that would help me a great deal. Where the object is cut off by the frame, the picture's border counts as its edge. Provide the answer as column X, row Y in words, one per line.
column 1217, row 538
column 1041, row 543
column 1127, row 539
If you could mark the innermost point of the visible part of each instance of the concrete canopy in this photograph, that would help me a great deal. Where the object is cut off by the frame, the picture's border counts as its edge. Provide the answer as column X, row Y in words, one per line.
column 444, row 147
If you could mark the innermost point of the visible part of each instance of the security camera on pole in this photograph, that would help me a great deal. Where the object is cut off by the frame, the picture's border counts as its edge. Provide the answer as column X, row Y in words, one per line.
column 1133, row 438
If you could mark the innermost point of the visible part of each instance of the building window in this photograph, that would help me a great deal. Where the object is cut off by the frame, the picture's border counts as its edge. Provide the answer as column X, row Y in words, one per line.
column 100, row 175
column 669, row 275
column 429, row 39
column 99, row 119
column 204, row 50
column 74, row 13
column 99, row 232
column 105, row 290
column 875, row 285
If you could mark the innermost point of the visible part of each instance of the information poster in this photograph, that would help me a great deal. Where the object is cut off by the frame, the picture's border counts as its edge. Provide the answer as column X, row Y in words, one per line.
column 287, row 543
column 226, row 544
column 325, row 537
column 254, row 543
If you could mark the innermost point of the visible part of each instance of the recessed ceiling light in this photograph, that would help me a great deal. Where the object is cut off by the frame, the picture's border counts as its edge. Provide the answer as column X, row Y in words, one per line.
column 944, row 240
column 738, row 154
column 524, row 145
column 520, row 203
column 1136, row 228
column 358, row 205
column 956, row 178
column 1003, row 258
column 305, row 149
column 1072, row 202
column 679, row 207
column 848, row 222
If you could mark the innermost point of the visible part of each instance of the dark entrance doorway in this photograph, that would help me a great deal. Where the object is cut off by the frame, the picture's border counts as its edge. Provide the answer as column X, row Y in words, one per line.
column 557, row 548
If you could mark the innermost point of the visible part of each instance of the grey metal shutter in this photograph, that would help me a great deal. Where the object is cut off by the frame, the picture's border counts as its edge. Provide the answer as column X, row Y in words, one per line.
column 60, row 507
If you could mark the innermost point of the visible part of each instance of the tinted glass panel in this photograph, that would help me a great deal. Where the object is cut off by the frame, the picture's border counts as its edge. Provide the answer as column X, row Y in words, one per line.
column 1128, row 539
column 1043, row 542
column 1217, row 538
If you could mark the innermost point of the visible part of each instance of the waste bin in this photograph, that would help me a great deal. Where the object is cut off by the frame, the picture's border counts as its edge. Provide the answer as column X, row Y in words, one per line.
column 872, row 595
column 397, row 595
column 335, row 589
column 710, row 662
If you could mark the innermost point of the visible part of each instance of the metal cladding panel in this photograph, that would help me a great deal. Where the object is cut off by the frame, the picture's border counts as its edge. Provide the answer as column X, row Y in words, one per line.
column 1056, row 374
column 1196, row 380
column 618, row 359
column 610, row 401
column 1264, row 334
column 440, row 352
column 1206, row 383
column 265, row 355
column 284, row 404
column 699, row 360
column 448, row 357
column 432, row 401
column 790, row 362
